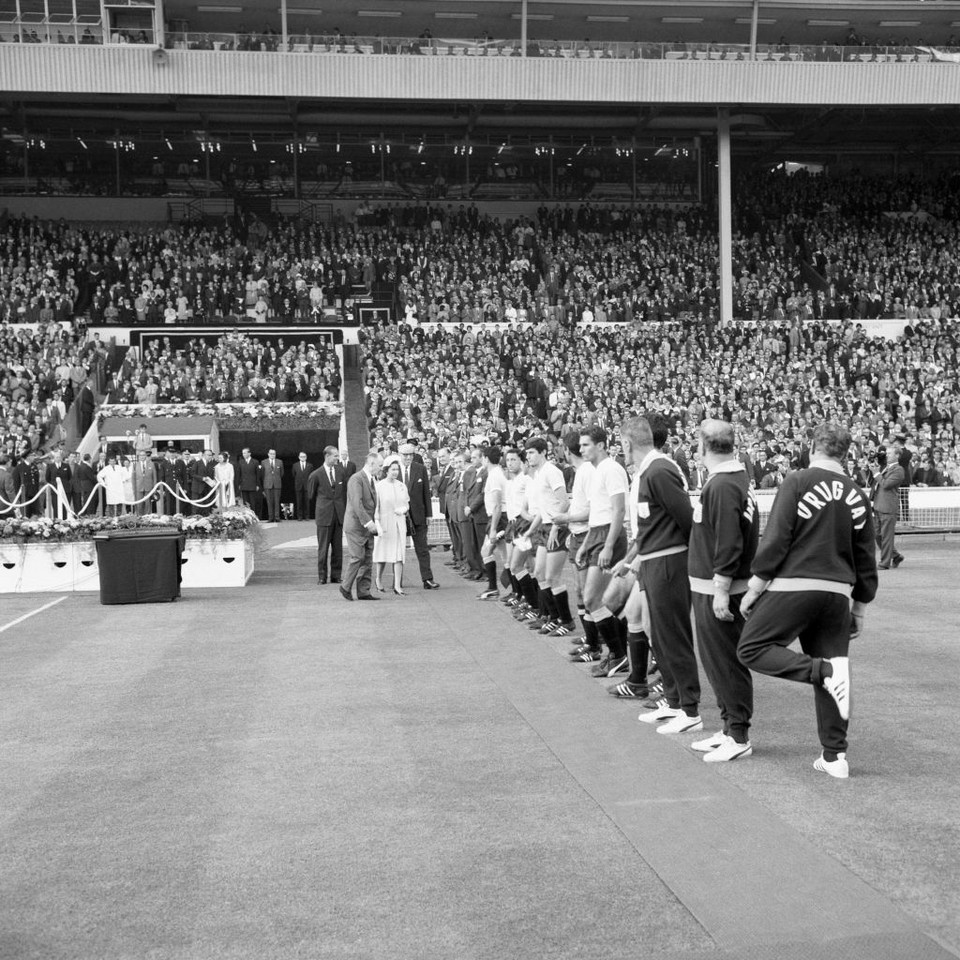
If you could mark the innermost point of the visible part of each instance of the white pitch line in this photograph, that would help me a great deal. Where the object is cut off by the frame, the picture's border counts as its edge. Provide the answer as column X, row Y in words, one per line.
column 32, row 613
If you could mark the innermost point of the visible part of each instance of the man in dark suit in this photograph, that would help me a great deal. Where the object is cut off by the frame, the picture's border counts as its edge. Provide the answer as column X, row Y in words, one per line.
column 444, row 478
column 360, row 528
column 180, row 484
column 455, row 518
column 329, row 486
column 421, row 510
column 86, row 404
column 476, row 511
column 248, row 480
column 165, row 499
column 27, row 477
column 8, row 486
column 59, row 469
column 471, row 546
column 302, row 472
column 271, row 472
column 349, row 467
column 84, row 481
column 198, row 472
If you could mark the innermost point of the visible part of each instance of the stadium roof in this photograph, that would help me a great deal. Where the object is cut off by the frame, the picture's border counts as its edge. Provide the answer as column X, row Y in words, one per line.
column 722, row 21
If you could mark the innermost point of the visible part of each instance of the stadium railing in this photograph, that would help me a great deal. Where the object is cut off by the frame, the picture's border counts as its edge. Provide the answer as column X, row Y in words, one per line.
column 88, row 30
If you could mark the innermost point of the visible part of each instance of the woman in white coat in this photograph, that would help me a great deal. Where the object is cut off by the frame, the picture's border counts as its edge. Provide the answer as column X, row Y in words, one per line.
column 112, row 477
column 223, row 474
column 393, row 505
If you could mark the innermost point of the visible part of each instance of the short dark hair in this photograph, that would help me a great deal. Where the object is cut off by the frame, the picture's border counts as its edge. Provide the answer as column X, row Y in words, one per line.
column 832, row 439
column 659, row 428
column 493, row 454
column 536, row 443
column 572, row 443
column 595, row 433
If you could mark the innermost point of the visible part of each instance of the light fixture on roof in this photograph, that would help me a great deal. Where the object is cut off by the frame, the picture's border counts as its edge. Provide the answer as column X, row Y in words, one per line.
column 304, row 11
column 828, row 23
column 899, row 23
column 532, row 16
column 681, row 19
column 765, row 21
column 604, row 19
column 218, row 8
column 379, row 13
column 454, row 15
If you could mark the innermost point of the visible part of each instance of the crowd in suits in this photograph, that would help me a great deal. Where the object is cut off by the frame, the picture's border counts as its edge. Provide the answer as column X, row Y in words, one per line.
column 233, row 368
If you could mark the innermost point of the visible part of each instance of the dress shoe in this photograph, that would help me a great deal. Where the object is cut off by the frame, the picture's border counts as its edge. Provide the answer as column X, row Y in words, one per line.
column 322, row 580
column 334, row 579
column 368, row 596
column 346, row 594
column 431, row 585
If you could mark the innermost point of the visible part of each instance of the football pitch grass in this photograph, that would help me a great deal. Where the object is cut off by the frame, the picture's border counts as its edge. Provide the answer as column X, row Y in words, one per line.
column 273, row 772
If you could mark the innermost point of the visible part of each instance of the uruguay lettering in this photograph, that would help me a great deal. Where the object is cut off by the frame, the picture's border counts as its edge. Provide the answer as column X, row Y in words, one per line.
column 824, row 493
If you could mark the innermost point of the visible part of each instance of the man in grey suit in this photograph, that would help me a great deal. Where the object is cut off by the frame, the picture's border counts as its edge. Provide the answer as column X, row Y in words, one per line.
column 886, row 505
column 360, row 528
column 272, row 472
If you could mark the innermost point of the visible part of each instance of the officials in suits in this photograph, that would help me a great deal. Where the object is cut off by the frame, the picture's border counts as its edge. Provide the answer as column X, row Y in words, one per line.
column 302, row 471
column 272, row 480
column 360, row 528
column 328, row 484
column 417, row 481
column 198, row 472
column 248, row 480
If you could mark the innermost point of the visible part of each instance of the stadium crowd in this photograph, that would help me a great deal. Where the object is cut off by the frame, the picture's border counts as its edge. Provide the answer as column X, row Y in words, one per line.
column 880, row 247
column 234, row 368
column 773, row 382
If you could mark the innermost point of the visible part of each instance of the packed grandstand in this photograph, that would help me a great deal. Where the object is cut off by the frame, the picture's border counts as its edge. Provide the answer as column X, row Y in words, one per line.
column 514, row 327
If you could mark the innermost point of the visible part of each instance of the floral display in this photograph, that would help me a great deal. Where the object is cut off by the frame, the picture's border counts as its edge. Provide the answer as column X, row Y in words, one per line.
column 234, row 523
column 234, row 416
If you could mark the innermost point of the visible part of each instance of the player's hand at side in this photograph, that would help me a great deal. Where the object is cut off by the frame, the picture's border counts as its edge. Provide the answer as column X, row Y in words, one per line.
column 606, row 555
column 619, row 569
column 721, row 604
column 856, row 620
column 746, row 604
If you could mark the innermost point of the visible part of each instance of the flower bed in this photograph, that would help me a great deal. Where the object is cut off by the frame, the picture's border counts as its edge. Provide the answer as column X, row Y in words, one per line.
column 235, row 523
column 42, row 555
column 236, row 416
